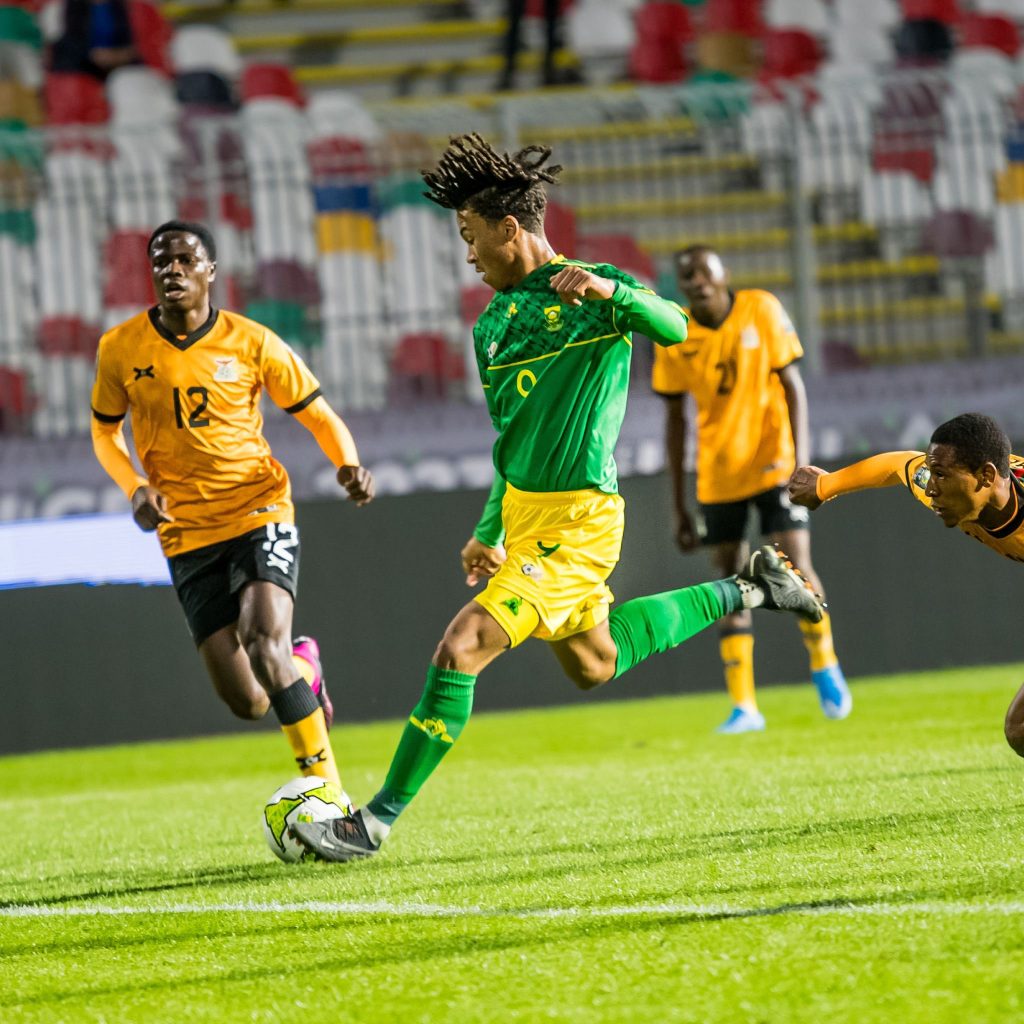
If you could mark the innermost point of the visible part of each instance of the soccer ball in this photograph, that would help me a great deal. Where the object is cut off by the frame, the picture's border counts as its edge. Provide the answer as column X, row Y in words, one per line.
column 309, row 798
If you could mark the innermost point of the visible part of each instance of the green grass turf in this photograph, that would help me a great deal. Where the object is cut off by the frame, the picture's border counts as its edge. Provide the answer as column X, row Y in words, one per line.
column 865, row 871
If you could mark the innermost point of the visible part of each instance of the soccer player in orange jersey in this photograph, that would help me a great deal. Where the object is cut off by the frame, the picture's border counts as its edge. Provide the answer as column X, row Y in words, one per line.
column 739, row 363
column 968, row 478
column 191, row 377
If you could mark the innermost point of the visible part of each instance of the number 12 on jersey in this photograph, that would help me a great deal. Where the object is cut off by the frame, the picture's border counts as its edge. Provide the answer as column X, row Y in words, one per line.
column 197, row 398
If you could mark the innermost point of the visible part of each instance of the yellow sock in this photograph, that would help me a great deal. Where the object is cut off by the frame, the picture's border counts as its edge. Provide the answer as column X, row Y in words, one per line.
column 304, row 668
column 818, row 641
column 312, row 747
column 737, row 650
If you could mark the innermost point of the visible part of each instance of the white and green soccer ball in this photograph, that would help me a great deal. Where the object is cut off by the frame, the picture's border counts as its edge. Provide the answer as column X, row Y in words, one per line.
column 309, row 798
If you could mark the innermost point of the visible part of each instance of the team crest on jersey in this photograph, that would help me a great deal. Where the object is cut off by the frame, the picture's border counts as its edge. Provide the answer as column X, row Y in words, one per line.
column 534, row 571
column 921, row 477
column 511, row 311
column 553, row 318
column 750, row 338
column 491, row 349
column 227, row 370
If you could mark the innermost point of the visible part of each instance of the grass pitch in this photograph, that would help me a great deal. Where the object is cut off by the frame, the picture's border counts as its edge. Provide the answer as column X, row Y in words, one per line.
column 595, row 863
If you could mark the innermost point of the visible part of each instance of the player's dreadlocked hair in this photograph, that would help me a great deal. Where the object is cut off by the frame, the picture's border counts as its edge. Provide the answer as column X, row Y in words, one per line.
column 976, row 439
column 471, row 175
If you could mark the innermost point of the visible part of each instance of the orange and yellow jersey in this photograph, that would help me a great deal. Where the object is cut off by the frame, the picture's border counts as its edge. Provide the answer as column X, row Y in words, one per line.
column 744, row 437
column 909, row 469
column 196, row 421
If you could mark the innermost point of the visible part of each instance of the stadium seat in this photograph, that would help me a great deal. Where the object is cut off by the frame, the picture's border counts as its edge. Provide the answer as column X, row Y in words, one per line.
column 289, row 320
column 954, row 190
column 656, row 62
column 17, row 401
column 894, row 198
column 340, row 156
column 620, row 250
column 288, row 281
column 990, row 31
column 19, row 105
column 425, row 365
column 338, row 113
column 946, row 11
column 923, row 42
column 68, row 336
column 957, row 234
column 140, row 96
column 18, row 26
column 152, row 34
column 473, row 300
column 988, row 66
column 344, row 231
column 206, row 91
column 734, row 53
column 74, row 99
column 1004, row 265
column 809, row 15
column 661, row 20
column 740, row 16
column 1010, row 184
column 18, row 313
column 205, row 48
column 21, row 62
column 597, row 29
column 128, row 280
column 789, row 53
column 560, row 227
column 895, row 152
column 271, row 81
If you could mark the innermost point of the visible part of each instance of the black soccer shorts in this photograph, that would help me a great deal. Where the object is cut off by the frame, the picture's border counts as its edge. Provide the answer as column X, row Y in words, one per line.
column 726, row 522
column 208, row 580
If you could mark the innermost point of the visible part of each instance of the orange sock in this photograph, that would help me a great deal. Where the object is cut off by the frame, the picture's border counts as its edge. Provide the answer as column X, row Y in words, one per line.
column 818, row 641
column 737, row 651
column 312, row 748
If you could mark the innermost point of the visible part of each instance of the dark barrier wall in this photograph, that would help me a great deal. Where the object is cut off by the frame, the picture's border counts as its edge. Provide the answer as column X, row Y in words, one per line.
column 113, row 664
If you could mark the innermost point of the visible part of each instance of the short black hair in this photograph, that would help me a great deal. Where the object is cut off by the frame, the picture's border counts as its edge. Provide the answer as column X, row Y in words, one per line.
column 471, row 175
column 976, row 439
column 692, row 250
column 201, row 231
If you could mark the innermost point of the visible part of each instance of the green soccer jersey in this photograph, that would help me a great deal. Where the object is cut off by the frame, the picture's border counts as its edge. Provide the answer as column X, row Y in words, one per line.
column 556, row 377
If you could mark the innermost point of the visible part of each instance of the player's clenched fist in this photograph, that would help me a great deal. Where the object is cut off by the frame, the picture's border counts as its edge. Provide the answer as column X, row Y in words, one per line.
column 480, row 562
column 149, row 508
column 574, row 284
column 803, row 486
column 358, row 481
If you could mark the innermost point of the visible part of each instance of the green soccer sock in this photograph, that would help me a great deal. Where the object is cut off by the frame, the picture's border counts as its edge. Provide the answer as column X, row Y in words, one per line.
column 432, row 729
column 649, row 625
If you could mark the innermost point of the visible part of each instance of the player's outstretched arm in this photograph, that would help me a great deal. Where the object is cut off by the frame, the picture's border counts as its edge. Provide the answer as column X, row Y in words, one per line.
column 811, row 486
column 337, row 443
column 637, row 309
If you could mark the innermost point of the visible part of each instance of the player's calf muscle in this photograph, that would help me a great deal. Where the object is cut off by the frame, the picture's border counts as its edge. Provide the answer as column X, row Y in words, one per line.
column 1013, row 728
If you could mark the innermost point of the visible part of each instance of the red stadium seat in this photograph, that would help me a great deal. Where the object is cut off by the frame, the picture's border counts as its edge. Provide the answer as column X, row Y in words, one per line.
column 620, row 250
column 339, row 156
column 663, row 22
column 271, row 80
column 67, row 336
column 17, row 402
column 743, row 16
column 889, row 154
column 990, row 31
column 425, row 364
column 789, row 53
column 936, row 10
column 958, row 234
column 128, row 279
column 657, row 62
column 74, row 99
column 152, row 33
column 560, row 228
column 473, row 301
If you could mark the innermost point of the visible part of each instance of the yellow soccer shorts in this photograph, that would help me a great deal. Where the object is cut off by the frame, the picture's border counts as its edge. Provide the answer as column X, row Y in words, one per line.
column 561, row 546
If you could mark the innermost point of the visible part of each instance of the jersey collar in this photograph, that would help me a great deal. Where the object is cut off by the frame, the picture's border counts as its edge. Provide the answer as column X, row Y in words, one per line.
column 190, row 339
column 1017, row 519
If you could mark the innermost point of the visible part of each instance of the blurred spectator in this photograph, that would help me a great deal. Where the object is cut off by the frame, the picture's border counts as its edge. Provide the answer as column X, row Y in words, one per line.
column 515, row 10
column 97, row 38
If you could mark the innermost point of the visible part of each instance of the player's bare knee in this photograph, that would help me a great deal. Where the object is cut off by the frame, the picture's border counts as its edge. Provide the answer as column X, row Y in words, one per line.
column 1014, row 732
column 456, row 651
column 590, row 674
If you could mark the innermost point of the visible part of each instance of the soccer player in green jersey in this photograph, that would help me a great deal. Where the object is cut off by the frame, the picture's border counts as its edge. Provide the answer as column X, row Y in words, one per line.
column 553, row 348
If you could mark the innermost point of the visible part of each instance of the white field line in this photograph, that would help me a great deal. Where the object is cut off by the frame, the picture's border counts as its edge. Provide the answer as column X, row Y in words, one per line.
column 405, row 910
